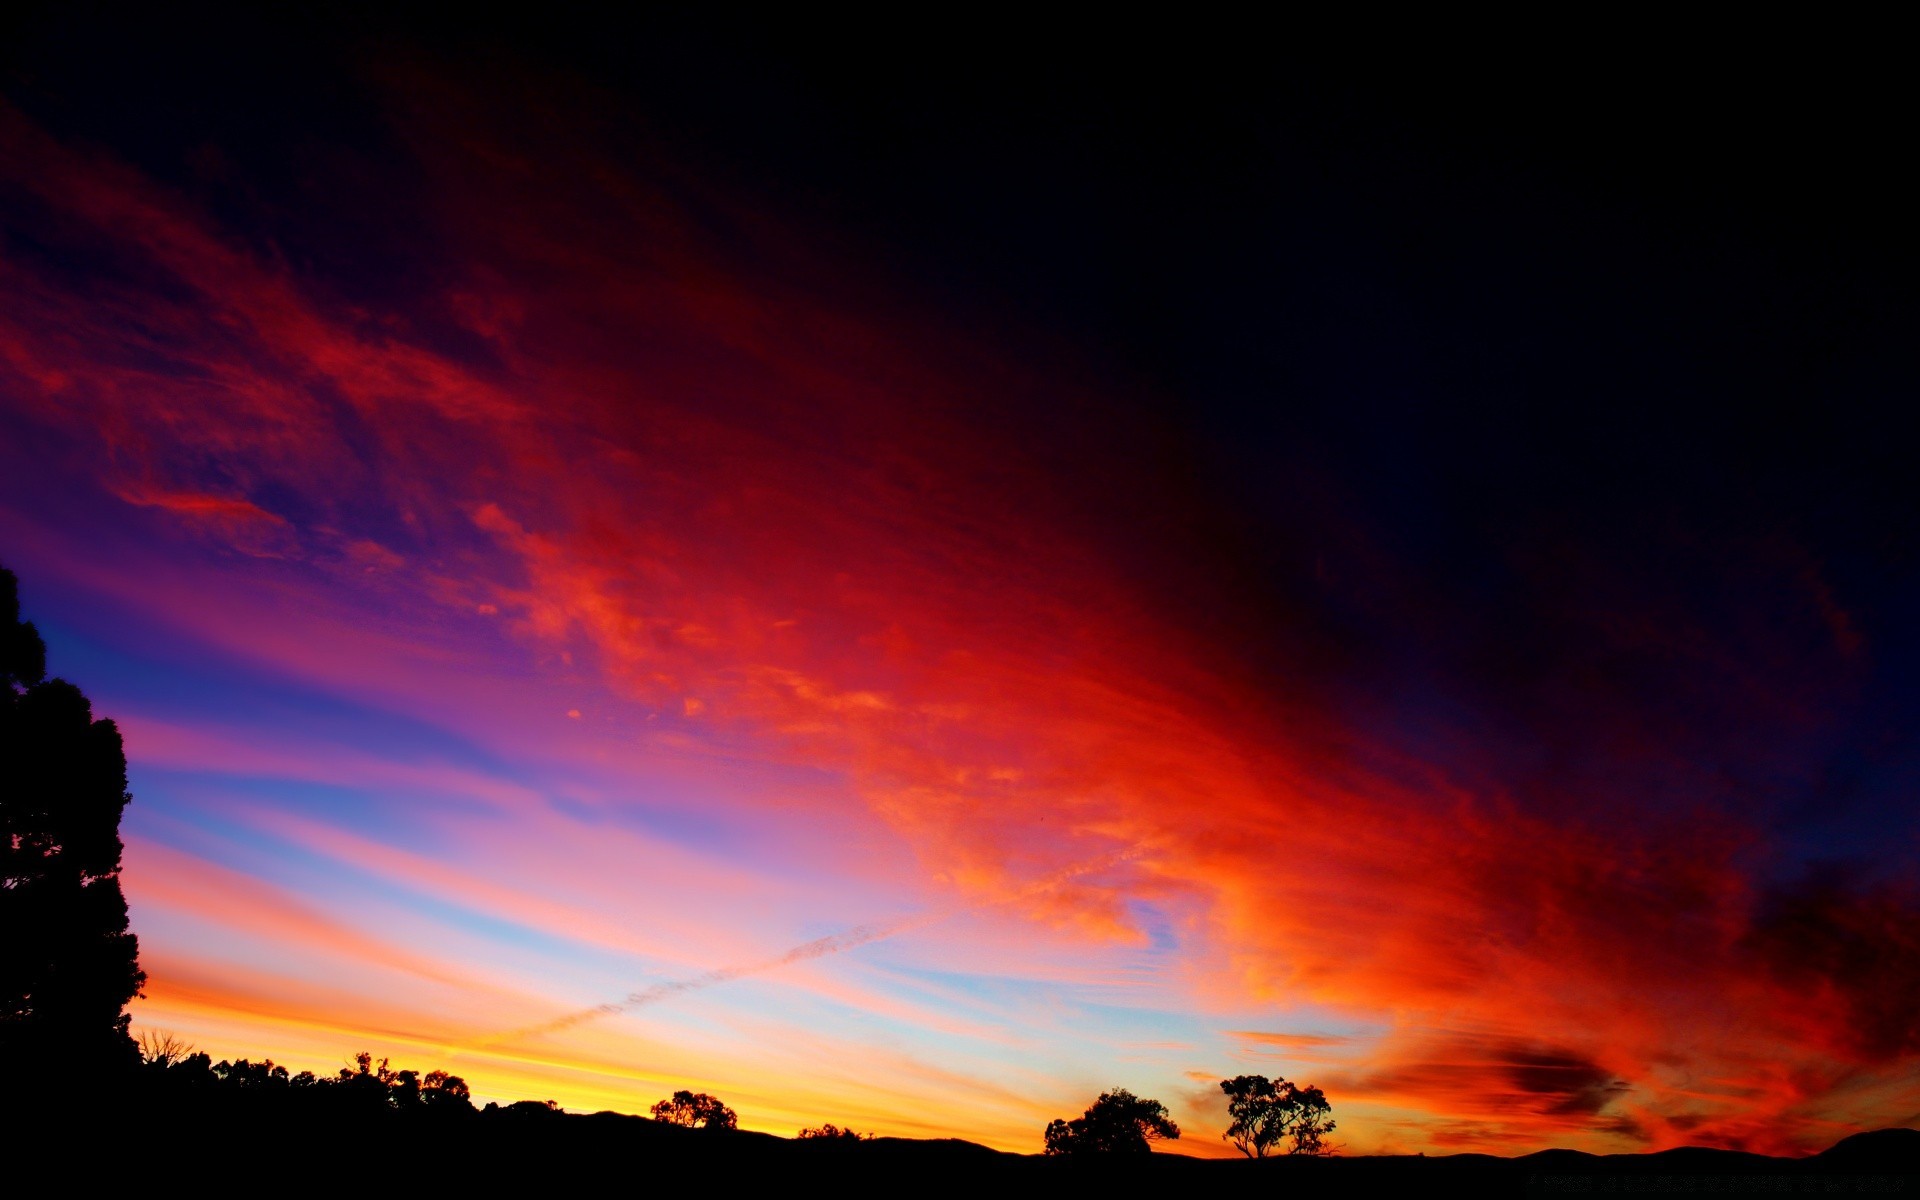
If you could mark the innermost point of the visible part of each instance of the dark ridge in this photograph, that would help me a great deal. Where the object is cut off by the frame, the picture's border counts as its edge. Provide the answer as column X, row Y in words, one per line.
column 958, row 1147
column 529, row 1145
column 1883, row 1150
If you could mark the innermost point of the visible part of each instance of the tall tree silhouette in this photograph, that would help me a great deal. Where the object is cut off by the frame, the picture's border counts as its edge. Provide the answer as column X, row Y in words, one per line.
column 1266, row 1113
column 68, row 965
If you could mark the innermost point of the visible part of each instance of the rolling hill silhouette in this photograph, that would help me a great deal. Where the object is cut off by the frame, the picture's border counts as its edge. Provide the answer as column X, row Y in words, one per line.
column 531, row 1146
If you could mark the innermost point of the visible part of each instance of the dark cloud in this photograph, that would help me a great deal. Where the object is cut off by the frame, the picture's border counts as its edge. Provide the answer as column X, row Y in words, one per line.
column 1575, row 1085
column 1854, row 943
column 1493, row 1075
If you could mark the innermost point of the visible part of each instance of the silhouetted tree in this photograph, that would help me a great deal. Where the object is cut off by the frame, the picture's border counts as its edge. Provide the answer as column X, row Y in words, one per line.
column 404, row 1091
column 1119, row 1122
column 830, row 1132
column 251, row 1075
column 68, row 965
column 195, row 1070
column 160, row 1050
column 366, row 1083
column 441, row 1092
column 1313, row 1124
column 374, row 1084
column 1267, row 1113
column 695, row 1110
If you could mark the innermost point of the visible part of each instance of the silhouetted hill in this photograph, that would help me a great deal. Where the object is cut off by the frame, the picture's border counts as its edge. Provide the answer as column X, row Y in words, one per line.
column 1888, row 1150
column 1682, row 1160
column 285, row 1142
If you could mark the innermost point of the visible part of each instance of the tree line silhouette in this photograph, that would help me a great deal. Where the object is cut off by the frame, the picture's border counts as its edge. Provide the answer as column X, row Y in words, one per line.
column 171, row 1068
column 1266, row 1113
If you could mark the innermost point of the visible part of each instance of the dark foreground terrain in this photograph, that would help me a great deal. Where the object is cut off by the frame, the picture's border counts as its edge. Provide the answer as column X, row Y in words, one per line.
column 241, row 1144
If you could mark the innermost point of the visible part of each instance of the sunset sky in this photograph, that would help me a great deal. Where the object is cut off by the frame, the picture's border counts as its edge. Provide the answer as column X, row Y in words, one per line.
column 1011, row 567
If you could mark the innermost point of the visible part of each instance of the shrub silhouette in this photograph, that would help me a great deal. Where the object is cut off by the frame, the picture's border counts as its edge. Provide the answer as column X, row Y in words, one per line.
column 1267, row 1113
column 1119, row 1122
column 830, row 1132
column 695, row 1110
column 68, row 964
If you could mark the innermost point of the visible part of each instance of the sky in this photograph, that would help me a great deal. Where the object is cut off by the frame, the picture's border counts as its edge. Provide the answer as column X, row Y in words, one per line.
column 909, row 589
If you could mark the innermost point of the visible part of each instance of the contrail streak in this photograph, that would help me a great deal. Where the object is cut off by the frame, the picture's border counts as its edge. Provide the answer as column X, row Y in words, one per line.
column 834, row 943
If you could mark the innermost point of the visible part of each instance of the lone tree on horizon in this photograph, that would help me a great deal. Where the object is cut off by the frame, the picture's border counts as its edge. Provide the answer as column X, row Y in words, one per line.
column 695, row 1110
column 1268, row 1112
column 1119, row 1122
column 68, row 964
